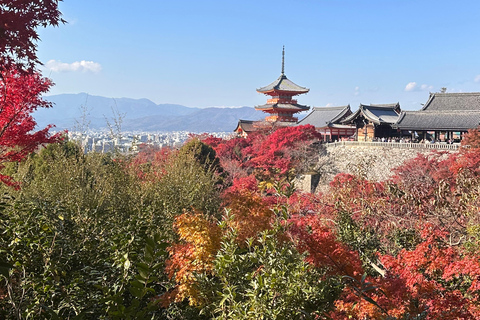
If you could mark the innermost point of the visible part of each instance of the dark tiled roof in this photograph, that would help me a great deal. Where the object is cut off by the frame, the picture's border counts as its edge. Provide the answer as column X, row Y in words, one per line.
column 283, row 106
column 376, row 113
column 249, row 126
column 322, row 117
column 283, row 84
column 246, row 126
column 453, row 101
column 446, row 120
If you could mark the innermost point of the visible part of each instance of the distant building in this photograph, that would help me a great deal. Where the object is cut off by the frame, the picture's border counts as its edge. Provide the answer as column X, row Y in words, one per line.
column 374, row 121
column 445, row 116
column 327, row 121
column 281, row 107
column 244, row 127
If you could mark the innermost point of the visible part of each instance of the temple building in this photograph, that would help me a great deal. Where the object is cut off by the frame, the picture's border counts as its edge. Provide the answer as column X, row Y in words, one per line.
column 280, row 108
column 327, row 121
column 445, row 117
column 374, row 121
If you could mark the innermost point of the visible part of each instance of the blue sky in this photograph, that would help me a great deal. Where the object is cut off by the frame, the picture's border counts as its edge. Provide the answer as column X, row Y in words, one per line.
column 216, row 53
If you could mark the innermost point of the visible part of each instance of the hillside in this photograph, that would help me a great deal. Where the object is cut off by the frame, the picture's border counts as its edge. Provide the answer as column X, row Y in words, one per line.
column 139, row 114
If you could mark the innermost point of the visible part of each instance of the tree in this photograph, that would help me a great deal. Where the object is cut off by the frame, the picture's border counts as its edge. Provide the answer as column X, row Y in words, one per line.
column 20, row 86
column 20, row 96
column 271, row 156
column 19, row 20
column 78, row 236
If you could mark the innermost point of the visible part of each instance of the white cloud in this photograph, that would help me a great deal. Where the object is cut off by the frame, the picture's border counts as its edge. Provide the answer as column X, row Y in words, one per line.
column 330, row 105
column 477, row 78
column 357, row 91
column 83, row 66
column 413, row 86
column 410, row 86
column 426, row 87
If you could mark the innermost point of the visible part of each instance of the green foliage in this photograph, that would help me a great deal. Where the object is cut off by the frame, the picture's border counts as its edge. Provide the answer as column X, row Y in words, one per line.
column 268, row 279
column 406, row 239
column 142, row 288
column 60, row 174
column 203, row 154
column 190, row 181
column 361, row 239
column 85, row 237
column 70, row 232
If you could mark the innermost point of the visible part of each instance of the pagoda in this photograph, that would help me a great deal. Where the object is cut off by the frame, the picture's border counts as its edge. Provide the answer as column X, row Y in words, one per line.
column 281, row 107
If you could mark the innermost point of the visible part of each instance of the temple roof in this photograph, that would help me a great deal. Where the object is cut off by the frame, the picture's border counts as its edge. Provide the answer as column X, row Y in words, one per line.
column 461, row 120
column 325, row 116
column 444, row 111
column 245, row 126
column 283, row 106
column 283, row 84
column 453, row 101
column 376, row 113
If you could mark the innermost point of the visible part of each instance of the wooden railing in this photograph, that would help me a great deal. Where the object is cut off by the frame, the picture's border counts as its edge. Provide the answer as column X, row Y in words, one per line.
column 399, row 145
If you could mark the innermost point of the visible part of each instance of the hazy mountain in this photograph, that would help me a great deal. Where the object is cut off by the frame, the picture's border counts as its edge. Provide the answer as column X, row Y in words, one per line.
column 202, row 120
column 139, row 114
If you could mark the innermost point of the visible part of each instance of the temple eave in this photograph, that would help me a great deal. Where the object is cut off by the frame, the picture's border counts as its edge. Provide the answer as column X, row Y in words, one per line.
column 282, row 92
column 283, row 107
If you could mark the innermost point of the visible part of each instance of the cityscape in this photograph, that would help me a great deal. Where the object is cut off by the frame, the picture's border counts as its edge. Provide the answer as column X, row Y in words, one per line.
column 128, row 142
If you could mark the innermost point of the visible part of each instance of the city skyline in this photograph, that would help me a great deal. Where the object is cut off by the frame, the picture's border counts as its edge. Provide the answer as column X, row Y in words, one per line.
column 217, row 53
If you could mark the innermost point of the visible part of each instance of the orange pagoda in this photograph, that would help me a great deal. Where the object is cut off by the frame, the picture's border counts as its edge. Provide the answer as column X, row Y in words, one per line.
column 281, row 107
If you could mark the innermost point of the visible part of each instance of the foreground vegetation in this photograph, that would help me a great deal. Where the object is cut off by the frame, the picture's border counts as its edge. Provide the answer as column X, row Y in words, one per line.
column 173, row 234
column 216, row 229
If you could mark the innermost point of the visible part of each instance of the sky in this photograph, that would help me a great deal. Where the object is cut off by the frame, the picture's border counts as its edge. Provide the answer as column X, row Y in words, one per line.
column 216, row 53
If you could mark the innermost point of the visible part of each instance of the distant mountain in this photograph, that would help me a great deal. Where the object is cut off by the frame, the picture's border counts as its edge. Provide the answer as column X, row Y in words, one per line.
column 202, row 120
column 139, row 114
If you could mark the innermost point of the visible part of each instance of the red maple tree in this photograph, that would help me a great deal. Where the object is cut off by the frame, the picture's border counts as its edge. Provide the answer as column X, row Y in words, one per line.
column 20, row 95
column 19, row 20
column 21, row 87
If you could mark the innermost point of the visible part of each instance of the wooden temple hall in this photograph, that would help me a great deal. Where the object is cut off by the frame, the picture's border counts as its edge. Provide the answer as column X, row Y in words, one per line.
column 444, row 118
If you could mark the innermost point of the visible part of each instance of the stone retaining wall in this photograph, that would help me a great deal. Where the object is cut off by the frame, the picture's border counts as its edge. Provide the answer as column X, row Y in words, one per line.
column 374, row 163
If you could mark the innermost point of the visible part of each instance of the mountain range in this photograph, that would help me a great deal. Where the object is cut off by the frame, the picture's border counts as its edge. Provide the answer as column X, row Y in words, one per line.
column 73, row 111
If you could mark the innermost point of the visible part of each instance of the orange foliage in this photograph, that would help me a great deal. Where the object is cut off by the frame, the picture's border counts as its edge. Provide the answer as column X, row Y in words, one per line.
column 251, row 214
column 322, row 248
column 199, row 242
column 434, row 278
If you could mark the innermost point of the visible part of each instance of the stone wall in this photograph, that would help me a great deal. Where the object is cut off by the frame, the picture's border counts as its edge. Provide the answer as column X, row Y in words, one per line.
column 374, row 163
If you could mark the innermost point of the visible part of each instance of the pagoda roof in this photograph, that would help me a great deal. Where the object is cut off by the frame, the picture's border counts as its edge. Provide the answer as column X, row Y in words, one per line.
column 325, row 116
column 283, row 106
column 283, row 84
column 453, row 101
column 461, row 120
column 376, row 113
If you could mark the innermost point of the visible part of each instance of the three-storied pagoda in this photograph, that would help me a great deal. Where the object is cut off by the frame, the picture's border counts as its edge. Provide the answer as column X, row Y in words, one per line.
column 281, row 107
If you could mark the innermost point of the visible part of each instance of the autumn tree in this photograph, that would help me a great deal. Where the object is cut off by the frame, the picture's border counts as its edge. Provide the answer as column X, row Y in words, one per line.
column 21, row 87
column 270, row 156
column 20, row 96
column 19, row 20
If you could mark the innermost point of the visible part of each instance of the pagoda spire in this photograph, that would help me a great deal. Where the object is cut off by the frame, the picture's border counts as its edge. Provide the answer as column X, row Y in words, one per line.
column 283, row 61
